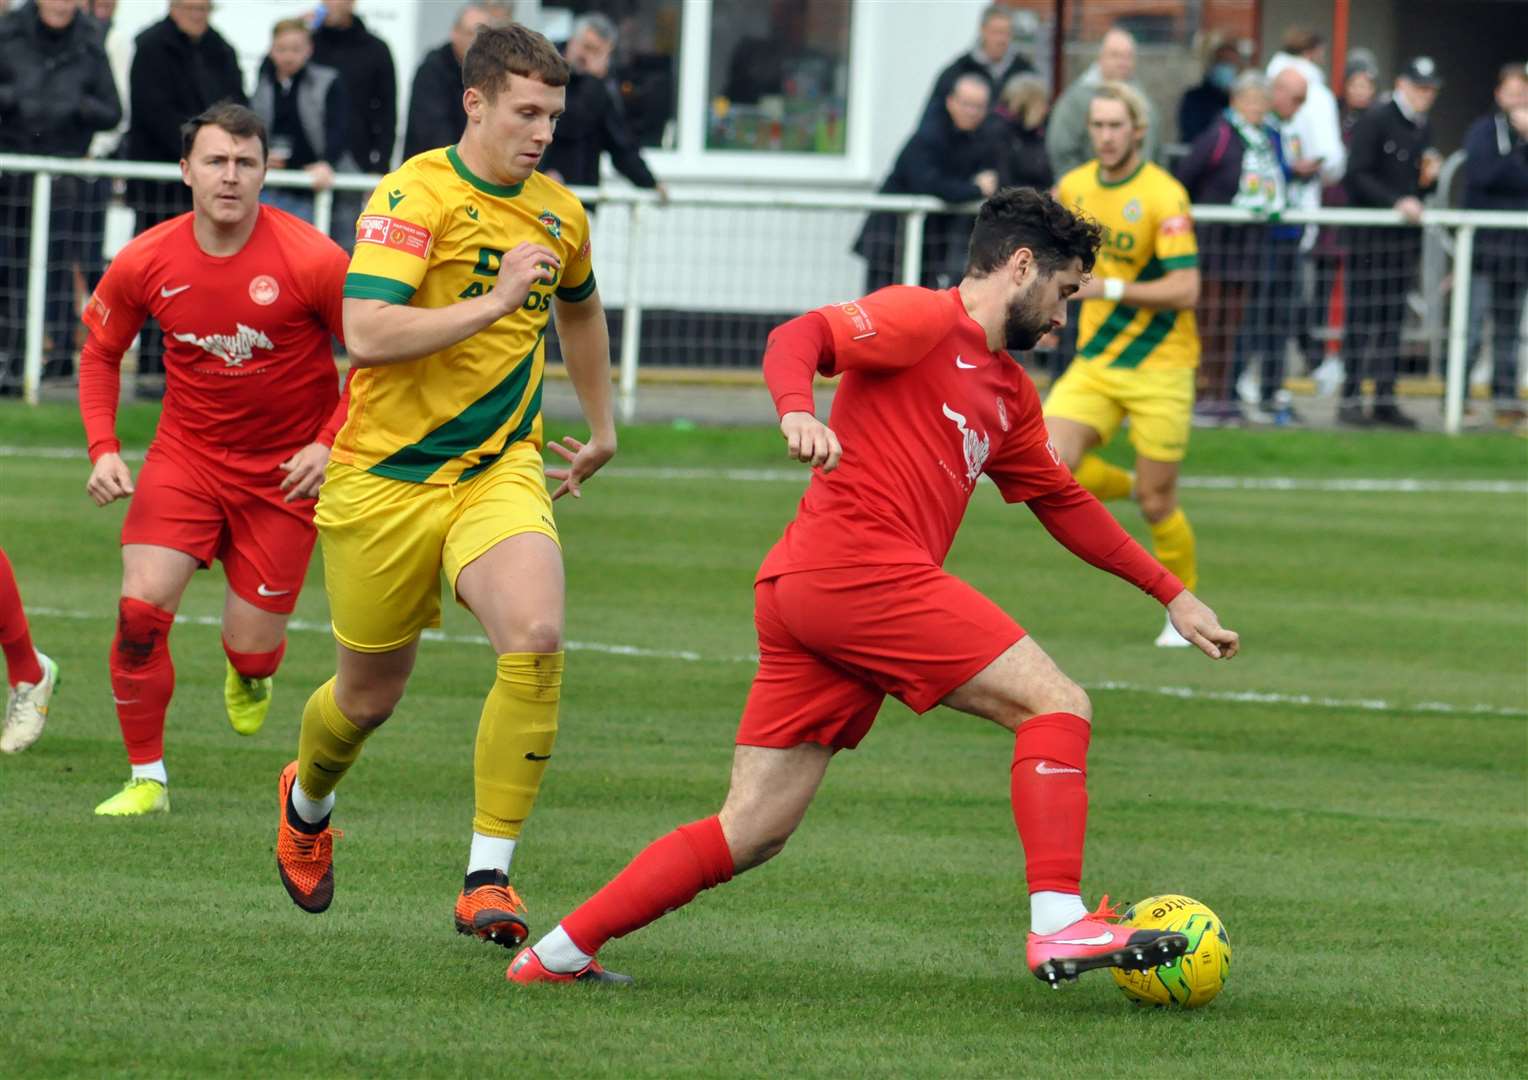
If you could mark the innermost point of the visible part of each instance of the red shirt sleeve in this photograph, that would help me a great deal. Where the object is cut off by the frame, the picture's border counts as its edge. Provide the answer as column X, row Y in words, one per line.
column 331, row 428
column 795, row 352
column 1080, row 522
column 113, row 315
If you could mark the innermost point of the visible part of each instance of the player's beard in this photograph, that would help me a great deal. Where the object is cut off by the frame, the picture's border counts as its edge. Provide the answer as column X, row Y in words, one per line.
column 1026, row 320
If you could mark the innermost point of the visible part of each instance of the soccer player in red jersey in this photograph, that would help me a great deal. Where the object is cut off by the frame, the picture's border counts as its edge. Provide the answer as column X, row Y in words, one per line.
column 249, row 299
column 852, row 604
column 30, row 674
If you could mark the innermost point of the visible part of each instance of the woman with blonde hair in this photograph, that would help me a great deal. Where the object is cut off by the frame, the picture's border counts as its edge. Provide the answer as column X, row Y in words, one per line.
column 1019, row 125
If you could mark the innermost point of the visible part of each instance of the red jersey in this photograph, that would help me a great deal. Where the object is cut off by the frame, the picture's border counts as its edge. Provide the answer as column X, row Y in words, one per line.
column 249, row 370
column 925, row 409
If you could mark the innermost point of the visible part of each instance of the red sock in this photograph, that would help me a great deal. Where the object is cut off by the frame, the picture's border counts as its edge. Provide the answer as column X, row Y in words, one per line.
column 667, row 874
column 142, row 677
column 1050, row 798
column 15, row 636
column 256, row 665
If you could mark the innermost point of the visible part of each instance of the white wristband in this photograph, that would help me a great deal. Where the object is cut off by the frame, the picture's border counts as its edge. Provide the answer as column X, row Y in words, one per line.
column 1114, row 288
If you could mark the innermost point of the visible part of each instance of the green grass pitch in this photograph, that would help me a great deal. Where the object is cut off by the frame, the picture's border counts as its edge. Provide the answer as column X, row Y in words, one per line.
column 1360, row 829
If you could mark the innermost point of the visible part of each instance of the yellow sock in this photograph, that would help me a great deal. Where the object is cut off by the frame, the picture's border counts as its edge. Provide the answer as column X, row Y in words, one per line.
column 1105, row 481
column 514, row 740
column 1172, row 540
column 328, row 744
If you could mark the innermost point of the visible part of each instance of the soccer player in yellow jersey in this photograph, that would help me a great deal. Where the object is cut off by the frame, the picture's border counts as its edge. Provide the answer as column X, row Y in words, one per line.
column 461, row 257
column 1137, row 343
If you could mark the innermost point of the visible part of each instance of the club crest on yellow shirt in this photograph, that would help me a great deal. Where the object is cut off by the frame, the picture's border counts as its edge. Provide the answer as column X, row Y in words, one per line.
column 552, row 222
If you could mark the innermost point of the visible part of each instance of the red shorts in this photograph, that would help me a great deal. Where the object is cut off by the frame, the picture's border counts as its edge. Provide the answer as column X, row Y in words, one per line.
column 834, row 643
column 210, row 510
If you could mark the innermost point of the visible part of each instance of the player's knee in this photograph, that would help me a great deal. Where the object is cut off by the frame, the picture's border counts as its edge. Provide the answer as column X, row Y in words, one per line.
column 1157, row 502
column 536, row 636
column 367, row 707
column 758, row 846
column 1064, row 696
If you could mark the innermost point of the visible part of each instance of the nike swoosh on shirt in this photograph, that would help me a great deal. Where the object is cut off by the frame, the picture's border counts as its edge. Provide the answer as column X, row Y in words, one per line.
column 962, row 364
column 263, row 591
column 1043, row 771
column 1101, row 939
column 167, row 292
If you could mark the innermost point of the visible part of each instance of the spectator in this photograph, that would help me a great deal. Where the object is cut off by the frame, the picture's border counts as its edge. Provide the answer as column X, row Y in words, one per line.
column 948, row 158
column 56, row 92
column 1202, row 105
column 995, row 58
column 181, row 67
column 1234, row 162
column 1496, row 178
column 1314, row 134
column 307, row 113
column 365, row 64
column 592, row 122
column 1066, row 137
column 97, row 191
column 1277, row 304
column 1390, row 166
column 436, row 116
column 1018, row 123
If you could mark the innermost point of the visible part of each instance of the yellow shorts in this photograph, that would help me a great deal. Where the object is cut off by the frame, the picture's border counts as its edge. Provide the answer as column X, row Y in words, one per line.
column 1160, row 404
column 386, row 541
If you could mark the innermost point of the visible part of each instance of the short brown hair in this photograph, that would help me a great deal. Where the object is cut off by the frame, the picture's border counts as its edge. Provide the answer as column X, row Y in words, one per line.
column 501, row 51
column 287, row 26
column 1299, row 40
column 232, row 117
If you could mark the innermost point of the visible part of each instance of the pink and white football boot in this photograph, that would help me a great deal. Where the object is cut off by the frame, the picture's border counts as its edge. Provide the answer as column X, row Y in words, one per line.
column 527, row 968
column 1091, row 942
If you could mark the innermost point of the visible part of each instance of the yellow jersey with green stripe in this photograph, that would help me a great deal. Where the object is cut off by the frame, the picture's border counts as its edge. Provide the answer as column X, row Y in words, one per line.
column 1148, row 231
column 433, row 234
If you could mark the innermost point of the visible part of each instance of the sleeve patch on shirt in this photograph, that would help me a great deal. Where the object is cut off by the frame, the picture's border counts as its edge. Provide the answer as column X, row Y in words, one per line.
column 96, row 313
column 1177, row 225
column 859, row 320
column 391, row 232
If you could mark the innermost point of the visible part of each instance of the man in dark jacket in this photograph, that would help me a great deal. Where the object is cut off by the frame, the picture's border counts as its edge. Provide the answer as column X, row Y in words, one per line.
column 181, row 66
column 950, row 158
column 995, row 59
column 56, row 92
column 436, row 116
column 1202, row 105
column 592, row 122
column 1390, row 166
column 365, row 64
column 1496, row 178
column 307, row 113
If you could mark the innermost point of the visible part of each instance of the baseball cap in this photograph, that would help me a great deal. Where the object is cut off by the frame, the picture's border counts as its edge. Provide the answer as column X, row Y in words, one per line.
column 1423, row 71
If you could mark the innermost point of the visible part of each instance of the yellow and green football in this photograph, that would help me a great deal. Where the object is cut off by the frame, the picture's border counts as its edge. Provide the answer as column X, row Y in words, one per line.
column 1194, row 978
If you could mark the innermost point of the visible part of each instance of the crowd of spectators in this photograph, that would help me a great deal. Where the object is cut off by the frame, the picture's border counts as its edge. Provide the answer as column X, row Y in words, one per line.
column 1265, row 137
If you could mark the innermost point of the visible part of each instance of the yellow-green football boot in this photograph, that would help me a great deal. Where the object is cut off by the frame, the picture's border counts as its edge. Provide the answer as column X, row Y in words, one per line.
column 247, row 700
column 138, row 796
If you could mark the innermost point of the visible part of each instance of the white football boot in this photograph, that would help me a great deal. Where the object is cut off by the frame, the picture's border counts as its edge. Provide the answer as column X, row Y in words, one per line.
column 26, row 708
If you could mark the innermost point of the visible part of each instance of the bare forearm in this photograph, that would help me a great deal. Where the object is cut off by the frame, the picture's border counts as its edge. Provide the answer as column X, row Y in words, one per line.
column 378, row 333
column 585, row 338
column 1171, row 293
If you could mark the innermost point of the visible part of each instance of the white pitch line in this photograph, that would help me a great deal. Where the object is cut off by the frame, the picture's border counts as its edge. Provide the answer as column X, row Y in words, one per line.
column 1400, row 485
column 1254, row 697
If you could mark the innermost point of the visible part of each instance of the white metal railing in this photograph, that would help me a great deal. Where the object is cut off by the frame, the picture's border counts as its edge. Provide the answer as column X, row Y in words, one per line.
column 1461, row 225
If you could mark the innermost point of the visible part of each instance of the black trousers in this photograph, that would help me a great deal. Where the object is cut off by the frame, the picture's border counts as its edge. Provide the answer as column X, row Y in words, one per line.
column 1381, row 270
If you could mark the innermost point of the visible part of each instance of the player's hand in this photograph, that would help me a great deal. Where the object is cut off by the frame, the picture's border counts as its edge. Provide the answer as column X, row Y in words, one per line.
column 521, row 267
column 304, row 472
column 808, row 439
column 1196, row 622
column 584, row 460
column 110, row 480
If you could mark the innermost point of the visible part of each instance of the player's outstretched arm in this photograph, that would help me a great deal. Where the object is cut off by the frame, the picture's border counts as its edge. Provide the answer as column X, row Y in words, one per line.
column 585, row 338
column 378, row 332
column 1173, row 291
column 1198, row 624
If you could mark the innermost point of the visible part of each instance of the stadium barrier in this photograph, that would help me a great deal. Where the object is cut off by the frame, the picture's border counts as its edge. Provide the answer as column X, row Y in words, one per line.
column 699, row 280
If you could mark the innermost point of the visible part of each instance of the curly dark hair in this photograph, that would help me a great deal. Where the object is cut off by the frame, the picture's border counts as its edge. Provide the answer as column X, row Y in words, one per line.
column 1020, row 217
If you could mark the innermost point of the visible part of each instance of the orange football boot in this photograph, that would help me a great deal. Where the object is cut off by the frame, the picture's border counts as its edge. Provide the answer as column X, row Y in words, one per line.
column 305, row 859
column 493, row 912
column 527, row 968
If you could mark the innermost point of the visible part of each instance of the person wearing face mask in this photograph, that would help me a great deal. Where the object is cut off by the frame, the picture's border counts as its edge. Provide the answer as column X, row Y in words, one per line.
column 1202, row 105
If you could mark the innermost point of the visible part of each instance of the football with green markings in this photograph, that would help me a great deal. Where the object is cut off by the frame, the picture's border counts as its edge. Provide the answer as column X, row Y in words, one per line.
column 1194, row 978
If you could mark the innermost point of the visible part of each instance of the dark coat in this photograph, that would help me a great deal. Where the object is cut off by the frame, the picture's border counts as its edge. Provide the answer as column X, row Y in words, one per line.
column 56, row 89
column 966, row 64
column 436, row 116
column 1211, row 171
column 172, row 79
column 1496, row 178
column 1385, row 157
column 365, row 65
column 592, row 123
column 316, row 114
column 1200, row 107
column 1022, row 160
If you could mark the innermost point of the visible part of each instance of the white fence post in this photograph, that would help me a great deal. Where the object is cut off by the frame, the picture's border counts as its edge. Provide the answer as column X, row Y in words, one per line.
column 37, row 285
column 323, row 210
column 1457, row 371
column 631, row 320
column 912, row 247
